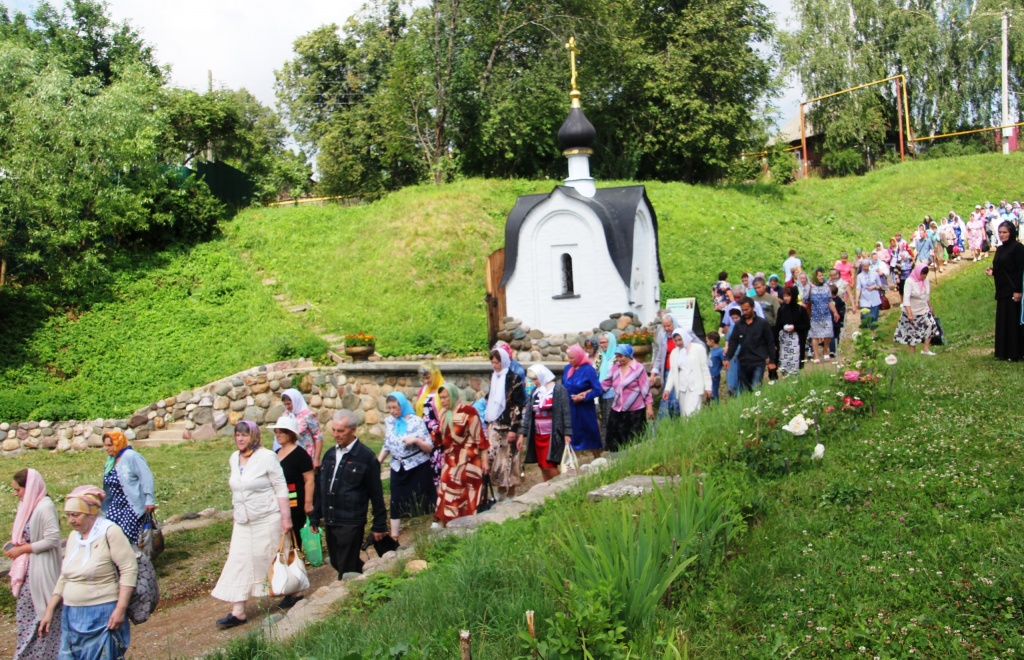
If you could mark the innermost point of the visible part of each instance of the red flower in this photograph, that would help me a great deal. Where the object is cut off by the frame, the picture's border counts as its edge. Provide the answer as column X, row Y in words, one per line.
column 830, row 409
column 857, row 403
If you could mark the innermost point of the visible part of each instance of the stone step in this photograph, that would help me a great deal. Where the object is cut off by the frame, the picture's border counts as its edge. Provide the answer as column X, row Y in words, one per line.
column 298, row 309
column 169, row 435
column 334, row 340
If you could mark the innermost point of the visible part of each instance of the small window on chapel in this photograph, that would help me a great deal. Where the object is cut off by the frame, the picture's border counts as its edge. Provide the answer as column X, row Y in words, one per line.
column 567, row 287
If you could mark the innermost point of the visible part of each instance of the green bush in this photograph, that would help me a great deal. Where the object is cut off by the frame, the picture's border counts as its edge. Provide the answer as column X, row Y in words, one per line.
column 16, row 404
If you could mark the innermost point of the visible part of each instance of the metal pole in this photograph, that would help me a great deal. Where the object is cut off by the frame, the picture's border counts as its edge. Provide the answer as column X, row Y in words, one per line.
column 906, row 109
column 1007, row 132
column 899, row 120
column 803, row 139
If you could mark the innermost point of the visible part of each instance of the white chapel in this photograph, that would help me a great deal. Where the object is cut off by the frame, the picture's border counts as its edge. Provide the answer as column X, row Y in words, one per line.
column 580, row 253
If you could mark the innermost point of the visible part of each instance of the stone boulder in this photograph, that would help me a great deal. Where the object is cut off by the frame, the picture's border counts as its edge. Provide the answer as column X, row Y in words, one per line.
column 204, row 432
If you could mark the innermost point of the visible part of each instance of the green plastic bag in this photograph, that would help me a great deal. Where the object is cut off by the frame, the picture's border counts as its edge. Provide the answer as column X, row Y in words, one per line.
column 311, row 546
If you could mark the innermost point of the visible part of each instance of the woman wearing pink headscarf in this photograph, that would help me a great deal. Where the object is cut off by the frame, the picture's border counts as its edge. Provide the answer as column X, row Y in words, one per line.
column 917, row 323
column 584, row 387
column 35, row 549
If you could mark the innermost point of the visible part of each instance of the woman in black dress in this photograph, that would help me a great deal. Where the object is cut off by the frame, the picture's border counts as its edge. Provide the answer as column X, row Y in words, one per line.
column 298, row 474
column 1008, row 272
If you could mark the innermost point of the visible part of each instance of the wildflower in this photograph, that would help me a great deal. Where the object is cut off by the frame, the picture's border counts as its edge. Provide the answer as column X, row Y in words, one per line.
column 830, row 409
column 819, row 452
column 891, row 359
column 856, row 403
column 797, row 425
column 851, row 375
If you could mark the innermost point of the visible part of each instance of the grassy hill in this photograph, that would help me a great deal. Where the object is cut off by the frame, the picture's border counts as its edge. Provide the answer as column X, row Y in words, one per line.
column 410, row 270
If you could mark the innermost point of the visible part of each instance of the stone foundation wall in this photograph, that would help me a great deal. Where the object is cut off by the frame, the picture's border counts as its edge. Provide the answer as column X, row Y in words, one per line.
column 533, row 345
column 212, row 410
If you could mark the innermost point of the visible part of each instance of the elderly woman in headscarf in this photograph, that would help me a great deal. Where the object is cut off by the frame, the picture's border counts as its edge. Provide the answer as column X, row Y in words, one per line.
column 431, row 381
column 1008, row 272
column 34, row 549
column 689, row 377
column 128, row 485
column 460, row 435
column 774, row 287
column 583, row 385
column 259, row 497
column 504, row 415
column 311, row 438
column 95, row 584
column 547, row 422
column 408, row 442
column 661, row 354
column 917, row 323
column 633, row 403
column 604, row 362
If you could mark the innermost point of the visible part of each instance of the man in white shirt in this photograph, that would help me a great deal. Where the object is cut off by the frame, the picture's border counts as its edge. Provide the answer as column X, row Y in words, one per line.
column 789, row 264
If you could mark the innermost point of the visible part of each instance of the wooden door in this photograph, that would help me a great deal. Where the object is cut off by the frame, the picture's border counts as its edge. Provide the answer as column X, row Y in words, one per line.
column 495, row 298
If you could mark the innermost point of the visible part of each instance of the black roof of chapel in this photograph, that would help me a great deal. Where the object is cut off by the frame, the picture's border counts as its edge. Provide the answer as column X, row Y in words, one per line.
column 616, row 208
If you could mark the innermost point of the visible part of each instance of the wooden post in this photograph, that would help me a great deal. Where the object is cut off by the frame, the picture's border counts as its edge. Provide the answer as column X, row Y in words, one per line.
column 803, row 140
column 899, row 118
column 465, row 645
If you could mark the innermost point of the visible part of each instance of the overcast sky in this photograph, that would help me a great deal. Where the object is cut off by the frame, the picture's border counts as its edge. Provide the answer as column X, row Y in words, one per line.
column 244, row 41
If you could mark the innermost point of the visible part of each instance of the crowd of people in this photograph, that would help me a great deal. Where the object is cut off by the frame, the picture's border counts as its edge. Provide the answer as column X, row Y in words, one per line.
column 446, row 453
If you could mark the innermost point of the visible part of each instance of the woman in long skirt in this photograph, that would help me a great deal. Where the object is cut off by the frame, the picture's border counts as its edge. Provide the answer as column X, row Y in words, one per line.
column 584, row 386
column 1008, row 272
column 460, row 435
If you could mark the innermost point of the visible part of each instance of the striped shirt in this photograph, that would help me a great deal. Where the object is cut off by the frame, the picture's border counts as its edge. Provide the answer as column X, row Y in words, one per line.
column 632, row 391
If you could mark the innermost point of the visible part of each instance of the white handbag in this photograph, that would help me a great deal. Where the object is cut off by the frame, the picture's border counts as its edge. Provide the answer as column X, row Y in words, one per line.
column 288, row 571
column 569, row 463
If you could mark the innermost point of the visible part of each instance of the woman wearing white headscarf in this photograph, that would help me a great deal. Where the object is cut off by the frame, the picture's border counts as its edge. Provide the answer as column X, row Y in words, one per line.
column 311, row 438
column 547, row 422
column 689, row 377
column 503, row 416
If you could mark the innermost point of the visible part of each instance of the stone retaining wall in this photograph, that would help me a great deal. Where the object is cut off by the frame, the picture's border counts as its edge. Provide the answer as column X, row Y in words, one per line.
column 533, row 345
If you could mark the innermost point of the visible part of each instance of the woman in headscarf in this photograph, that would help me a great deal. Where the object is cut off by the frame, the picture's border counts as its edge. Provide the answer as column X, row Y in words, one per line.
column 431, row 381
column 96, row 582
column 259, row 497
column 792, row 323
column 689, row 378
column 917, row 323
column 975, row 234
column 1008, row 272
column 504, row 415
column 311, row 438
column 127, row 484
column 823, row 314
column 460, row 434
column 583, row 385
column 803, row 286
column 547, row 422
column 661, row 353
column 34, row 549
column 773, row 286
column 407, row 440
column 904, row 266
column 633, row 404
column 603, row 363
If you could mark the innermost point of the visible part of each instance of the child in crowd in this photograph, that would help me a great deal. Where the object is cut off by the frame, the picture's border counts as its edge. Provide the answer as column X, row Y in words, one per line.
column 837, row 326
column 715, row 358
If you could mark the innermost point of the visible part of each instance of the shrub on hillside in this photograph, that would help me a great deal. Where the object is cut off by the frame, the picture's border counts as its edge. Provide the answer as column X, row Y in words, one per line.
column 313, row 348
column 16, row 405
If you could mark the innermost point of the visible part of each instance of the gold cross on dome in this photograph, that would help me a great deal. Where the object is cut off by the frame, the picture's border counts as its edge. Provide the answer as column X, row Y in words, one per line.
column 572, row 60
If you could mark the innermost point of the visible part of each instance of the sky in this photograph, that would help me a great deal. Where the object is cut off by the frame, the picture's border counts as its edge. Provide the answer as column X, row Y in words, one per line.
column 243, row 41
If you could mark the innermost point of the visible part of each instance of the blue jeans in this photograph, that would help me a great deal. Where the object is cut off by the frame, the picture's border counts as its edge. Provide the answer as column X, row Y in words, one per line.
column 750, row 377
column 874, row 311
column 715, row 382
column 669, row 408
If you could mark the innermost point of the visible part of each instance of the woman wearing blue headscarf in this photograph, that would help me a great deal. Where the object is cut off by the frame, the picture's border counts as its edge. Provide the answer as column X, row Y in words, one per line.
column 604, row 362
column 407, row 440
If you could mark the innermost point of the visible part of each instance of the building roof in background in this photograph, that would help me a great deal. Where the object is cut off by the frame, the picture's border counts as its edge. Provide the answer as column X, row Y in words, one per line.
column 791, row 132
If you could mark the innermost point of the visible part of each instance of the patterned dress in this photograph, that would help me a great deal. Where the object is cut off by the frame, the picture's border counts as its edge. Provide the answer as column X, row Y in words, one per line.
column 30, row 645
column 821, row 316
column 437, row 456
column 121, row 512
column 462, row 475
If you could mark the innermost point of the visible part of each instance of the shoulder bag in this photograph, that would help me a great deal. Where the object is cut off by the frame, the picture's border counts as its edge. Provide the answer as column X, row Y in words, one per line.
column 569, row 462
column 487, row 499
column 288, row 571
column 151, row 538
column 146, row 595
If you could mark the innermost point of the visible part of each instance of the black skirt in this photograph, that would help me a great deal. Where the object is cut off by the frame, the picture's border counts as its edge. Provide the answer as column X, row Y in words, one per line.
column 413, row 492
column 623, row 427
column 1009, row 333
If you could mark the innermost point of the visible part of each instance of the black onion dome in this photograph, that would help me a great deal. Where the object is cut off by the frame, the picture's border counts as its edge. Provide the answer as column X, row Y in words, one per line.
column 577, row 132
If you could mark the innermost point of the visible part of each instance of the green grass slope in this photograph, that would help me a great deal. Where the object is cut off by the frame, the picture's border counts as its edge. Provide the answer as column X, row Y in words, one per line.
column 175, row 321
column 410, row 268
column 905, row 541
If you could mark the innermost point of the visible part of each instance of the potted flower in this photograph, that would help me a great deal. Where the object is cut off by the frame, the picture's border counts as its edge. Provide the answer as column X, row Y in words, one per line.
column 359, row 346
column 640, row 341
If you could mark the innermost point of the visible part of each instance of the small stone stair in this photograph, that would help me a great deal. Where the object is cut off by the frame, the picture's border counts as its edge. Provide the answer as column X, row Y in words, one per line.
column 169, row 435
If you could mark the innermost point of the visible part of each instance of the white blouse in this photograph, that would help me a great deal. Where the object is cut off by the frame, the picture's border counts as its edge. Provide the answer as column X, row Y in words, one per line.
column 916, row 296
column 256, row 486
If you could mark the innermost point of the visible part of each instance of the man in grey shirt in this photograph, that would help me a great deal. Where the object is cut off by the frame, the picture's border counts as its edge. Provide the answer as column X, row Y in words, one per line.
column 769, row 303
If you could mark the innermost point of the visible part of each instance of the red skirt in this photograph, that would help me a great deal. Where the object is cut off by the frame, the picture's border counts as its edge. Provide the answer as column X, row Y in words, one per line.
column 542, row 443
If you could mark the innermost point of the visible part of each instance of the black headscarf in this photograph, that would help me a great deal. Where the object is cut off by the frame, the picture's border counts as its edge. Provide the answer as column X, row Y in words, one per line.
column 1008, row 264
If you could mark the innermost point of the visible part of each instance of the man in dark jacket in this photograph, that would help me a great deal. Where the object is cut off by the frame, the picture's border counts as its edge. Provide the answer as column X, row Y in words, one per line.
column 754, row 335
column 349, row 480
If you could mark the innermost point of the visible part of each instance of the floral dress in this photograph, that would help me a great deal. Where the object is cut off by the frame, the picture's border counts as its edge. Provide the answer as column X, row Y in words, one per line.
column 462, row 477
column 821, row 316
column 309, row 431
